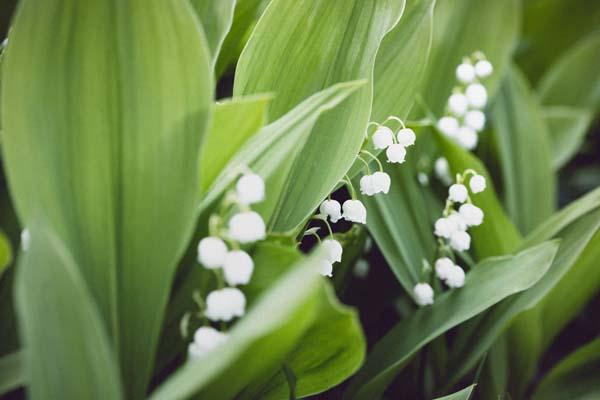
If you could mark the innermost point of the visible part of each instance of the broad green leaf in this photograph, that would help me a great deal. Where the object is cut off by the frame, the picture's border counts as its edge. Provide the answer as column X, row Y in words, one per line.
column 462, row 27
column 401, row 226
column 257, row 343
column 216, row 18
column 104, row 114
column 311, row 45
column 524, row 152
column 573, row 78
column 68, row 353
column 575, row 377
column 331, row 350
column 491, row 281
column 567, row 127
column 497, row 235
column 233, row 123
column 401, row 62
column 464, row 394
column 5, row 252
column 12, row 374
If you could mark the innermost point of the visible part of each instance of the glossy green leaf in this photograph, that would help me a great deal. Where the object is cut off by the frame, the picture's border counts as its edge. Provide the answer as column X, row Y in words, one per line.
column 489, row 239
column 258, row 342
column 5, row 252
column 462, row 27
column 312, row 45
column 524, row 152
column 233, row 123
column 12, row 374
column 216, row 18
column 567, row 127
column 68, row 354
column 109, row 106
column 575, row 377
column 573, row 78
column 464, row 394
column 488, row 283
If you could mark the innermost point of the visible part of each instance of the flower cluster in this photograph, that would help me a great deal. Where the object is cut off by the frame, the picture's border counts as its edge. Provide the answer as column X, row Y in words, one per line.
column 464, row 117
column 451, row 229
column 231, row 265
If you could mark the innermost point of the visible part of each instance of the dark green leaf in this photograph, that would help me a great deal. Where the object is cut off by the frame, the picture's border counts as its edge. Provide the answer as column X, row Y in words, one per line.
column 567, row 127
column 216, row 18
column 12, row 372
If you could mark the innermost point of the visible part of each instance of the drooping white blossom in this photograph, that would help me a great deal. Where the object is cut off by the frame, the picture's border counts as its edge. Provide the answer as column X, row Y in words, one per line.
column 225, row 304
column 367, row 187
column 423, row 294
column 211, row 252
column 465, row 72
column 332, row 209
column 383, row 137
column 477, row 95
column 381, row 182
column 361, row 268
column 442, row 170
column 460, row 240
column 250, row 189
column 396, row 153
column 455, row 277
column 354, row 211
column 325, row 267
column 467, row 138
column 206, row 339
column 448, row 126
column 483, row 68
column 458, row 104
column 333, row 250
column 475, row 119
column 442, row 267
column 406, row 137
column 456, row 221
column 238, row 268
column 443, row 228
column 458, row 193
column 247, row 227
column 472, row 215
column 477, row 183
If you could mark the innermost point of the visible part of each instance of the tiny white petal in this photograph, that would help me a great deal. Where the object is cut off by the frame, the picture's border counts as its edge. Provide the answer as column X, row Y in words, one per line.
column 458, row 193
column 458, row 104
column 247, row 227
column 211, row 252
column 467, row 138
column 225, row 304
column 443, row 266
column 448, row 126
column 423, row 294
column 475, row 119
column 325, row 268
column 477, row 183
column 477, row 95
column 406, row 137
column 465, row 73
column 381, row 182
column 383, row 137
column 483, row 68
column 367, row 187
column 460, row 240
column 423, row 178
column 250, row 189
column 361, row 268
column 25, row 239
column 396, row 153
column 355, row 211
column 206, row 338
column 331, row 208
column 472, row 215
column 333, row 250
column 238, row 267
column 455, row 277
column 442, row 170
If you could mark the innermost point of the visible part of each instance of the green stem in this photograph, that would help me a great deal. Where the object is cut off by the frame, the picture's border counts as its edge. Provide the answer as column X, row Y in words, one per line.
column 374, row 158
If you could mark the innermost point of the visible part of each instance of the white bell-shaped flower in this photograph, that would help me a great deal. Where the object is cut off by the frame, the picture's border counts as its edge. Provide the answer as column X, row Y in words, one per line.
column 477, row 184
column 332, row 209
column 250, row 189
column 396, row 153
column 475, row 119
column 443, row 266
column 443, row 228
column 458, row 193
column 361, row 268
column 460, row 240
column 333, row 250
column 383, row 137
column 467, row 138
column 442, row 170
column 247, row 227
column 367, row 187
column 354, row 211
column 455, row 277
column 465, row 72
column 457, row 223
column 381, row 182
column 472, row 215
column 238, row 267
column 211, row 252
column 423, row 294
column 477, row 95
column 25, row 239
column 406, row 137
column 206, row 339
column 448, row 126
column 325, row 267
column 458, row 104
column 225, row 304
column 483, row 68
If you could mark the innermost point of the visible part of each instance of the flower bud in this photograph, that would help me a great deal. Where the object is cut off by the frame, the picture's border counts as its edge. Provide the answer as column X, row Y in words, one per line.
column 442, row 267
column 381, row 182
column 355, row 211
column 448, row 126
column 455, row 277
column 333, row 250
column 477, row 95
column 206, row 338
column 25, row 239
column 225, row 304
column 211, row 252
column 332, row 209
column 458, row 104
column 475, row 119
column 383, row 137
column 460, row 240
column 396, row 153
column 465, row 73
column 477, row 183
column 442, row 170
column 483, row 68
column 467, row 138
column 250, row 189
column 423, row 294
column 472, row 215
column 247, row 227
column 458, row 193
column 406, row 137
column 238, row 267
column 367, row 186
column 443, row 228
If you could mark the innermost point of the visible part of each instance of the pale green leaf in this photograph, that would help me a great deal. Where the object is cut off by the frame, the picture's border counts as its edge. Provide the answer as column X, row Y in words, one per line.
column 567, row 127
column 464, row 394
column 488, row 283
column 216, row 17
